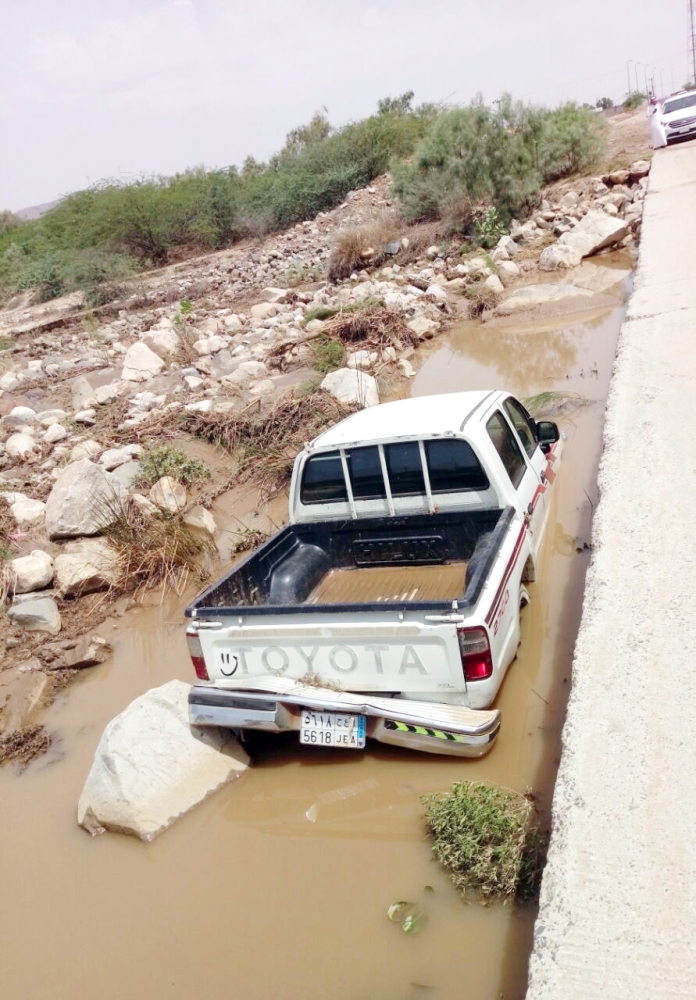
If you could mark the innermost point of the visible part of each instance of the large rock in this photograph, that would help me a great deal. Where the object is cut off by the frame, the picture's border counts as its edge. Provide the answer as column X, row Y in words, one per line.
column 75, row 654
column 28, row 513
column 559, row 257
column 209, row 345
column 37, row 615
column 19, row 416
column 594, row 232
column 32, row 572
column 168, row 494
column 151, row 767
column 84, row 500
column 113, row 457
column 348, row 385
column 536, row 296
column 264, row 310
column 198, row 517
column 163, row 340
column 423, row 327
column 86, row 566
column 140, row 363
column 21, row 446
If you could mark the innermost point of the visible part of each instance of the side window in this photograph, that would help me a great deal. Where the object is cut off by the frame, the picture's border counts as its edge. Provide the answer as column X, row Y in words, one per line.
column 507, row 447
column 520, row 420
column 405, row 469
column 322, row 479
column 453, row 467
column 366, row 479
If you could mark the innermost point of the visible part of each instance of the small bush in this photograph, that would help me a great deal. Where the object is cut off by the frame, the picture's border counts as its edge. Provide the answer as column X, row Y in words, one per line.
column 155, row 549
column 163, row 459
column 488, row 840
column 633, row 100
column 480, row 300
column 327, row 354
column 320, row 312
column 351, row 243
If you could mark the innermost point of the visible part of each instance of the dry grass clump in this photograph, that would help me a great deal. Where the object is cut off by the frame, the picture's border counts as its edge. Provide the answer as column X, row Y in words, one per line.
column 155, row 549
column 264, row 437
column 24, row 745
column 375, row 325
column 420, row 237
column 480, row 300
column 7, row 526
column 488, row 839
column 352, row 244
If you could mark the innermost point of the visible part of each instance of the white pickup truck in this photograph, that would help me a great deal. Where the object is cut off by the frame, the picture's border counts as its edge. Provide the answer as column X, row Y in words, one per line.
column 389, row 606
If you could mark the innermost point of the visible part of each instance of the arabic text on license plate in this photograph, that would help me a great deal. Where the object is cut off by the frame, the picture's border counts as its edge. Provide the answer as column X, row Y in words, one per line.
column 332, row 729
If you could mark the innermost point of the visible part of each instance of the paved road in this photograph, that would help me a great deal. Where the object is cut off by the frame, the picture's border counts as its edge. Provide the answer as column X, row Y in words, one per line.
column 618, row 905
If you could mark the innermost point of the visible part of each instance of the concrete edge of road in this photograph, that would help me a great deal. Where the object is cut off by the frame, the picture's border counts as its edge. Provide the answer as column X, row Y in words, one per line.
column 617, row 913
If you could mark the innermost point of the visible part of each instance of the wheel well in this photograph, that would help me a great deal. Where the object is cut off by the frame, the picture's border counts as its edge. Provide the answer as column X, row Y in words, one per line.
column 529, row 571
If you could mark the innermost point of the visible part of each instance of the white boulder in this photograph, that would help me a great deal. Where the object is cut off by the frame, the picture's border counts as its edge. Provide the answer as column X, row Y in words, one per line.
column 113, row 457
column 32, row 572
column 493, row 284
column 163, row 340
column 536, row 296
column 437, row 292
column 55, row 433
column 264, row 310
column 85, row 566
column 209, row 345
column 28, row 513
column 348, row 385
column 151, row 767
column 594, row 232
column 140, row 363
column 21, row 446
column 108, row 393
column 199, row 517
column 559, row 257
column 37, row 615
column 84, row 500
column 168, row 494
column 423, row 327
column 19, row 416
column 85, row 449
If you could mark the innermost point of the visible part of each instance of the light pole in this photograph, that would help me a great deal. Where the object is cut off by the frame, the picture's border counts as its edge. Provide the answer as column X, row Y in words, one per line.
column 645, row 71
column 628, row 76
column 638, row 63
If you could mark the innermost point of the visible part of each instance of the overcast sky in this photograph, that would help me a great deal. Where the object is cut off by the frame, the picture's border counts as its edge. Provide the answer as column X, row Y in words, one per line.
column 91, row 89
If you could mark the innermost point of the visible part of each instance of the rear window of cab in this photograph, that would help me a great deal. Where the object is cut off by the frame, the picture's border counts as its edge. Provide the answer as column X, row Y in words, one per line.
column 451, row 466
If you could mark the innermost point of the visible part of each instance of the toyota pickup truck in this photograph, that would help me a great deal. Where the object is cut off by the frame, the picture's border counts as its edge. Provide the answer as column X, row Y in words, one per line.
column 389, row 607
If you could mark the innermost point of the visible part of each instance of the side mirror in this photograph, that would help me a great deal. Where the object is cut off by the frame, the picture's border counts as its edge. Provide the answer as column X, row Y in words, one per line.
column 547, row 434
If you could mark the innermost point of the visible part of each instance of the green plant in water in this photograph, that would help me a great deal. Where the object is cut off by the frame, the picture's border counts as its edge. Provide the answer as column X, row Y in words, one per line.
column 165, row 460
column 488, row 839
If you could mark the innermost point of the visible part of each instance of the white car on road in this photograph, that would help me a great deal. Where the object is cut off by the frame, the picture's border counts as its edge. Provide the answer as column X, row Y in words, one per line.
column 679, row 115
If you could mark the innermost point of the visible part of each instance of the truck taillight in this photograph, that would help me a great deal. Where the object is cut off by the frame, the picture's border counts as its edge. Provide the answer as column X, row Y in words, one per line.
column 196, row 654
column 475, row 650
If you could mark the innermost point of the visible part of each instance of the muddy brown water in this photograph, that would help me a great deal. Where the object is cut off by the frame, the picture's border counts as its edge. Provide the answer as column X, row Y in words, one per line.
column 278, row 885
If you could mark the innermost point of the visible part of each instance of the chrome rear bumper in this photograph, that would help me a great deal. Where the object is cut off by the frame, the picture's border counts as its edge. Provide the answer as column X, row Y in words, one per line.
column 429, row 727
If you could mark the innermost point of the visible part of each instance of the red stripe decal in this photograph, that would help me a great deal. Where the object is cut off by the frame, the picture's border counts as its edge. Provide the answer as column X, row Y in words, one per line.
column 508, row 573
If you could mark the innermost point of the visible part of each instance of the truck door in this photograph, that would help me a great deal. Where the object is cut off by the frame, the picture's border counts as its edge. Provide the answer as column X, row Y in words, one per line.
column 524, row 473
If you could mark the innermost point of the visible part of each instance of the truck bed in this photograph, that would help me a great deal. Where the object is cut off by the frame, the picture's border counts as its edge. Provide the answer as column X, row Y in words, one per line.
column 416, row 562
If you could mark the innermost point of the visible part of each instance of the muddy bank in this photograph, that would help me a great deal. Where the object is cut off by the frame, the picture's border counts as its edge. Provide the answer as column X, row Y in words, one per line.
column 280, row 885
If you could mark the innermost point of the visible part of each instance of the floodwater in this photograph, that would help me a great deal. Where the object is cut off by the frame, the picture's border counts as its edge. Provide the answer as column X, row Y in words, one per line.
column 278, row 885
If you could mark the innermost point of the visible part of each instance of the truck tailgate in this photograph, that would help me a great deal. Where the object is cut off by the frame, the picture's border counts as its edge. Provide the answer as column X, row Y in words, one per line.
column 362, row 655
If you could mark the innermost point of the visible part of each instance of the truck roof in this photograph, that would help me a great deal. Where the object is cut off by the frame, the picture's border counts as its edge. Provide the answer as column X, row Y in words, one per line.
column 415, row 417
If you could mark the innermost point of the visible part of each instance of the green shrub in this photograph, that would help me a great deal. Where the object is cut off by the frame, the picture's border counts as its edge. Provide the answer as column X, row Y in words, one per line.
column 633, row 100
column 488, row 840
column 327, row 354
column 163, row 459
column 474, row 158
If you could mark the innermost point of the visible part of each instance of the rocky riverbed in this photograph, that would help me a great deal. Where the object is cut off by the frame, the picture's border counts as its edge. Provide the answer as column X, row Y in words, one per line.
column 85, row 394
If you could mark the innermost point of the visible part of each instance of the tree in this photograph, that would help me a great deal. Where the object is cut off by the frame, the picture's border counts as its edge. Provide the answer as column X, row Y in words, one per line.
column 605, row 103
column 396, row 105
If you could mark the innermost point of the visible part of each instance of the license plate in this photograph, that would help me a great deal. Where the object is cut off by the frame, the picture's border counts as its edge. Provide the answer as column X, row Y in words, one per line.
column 683, row 131
column 333, row 729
